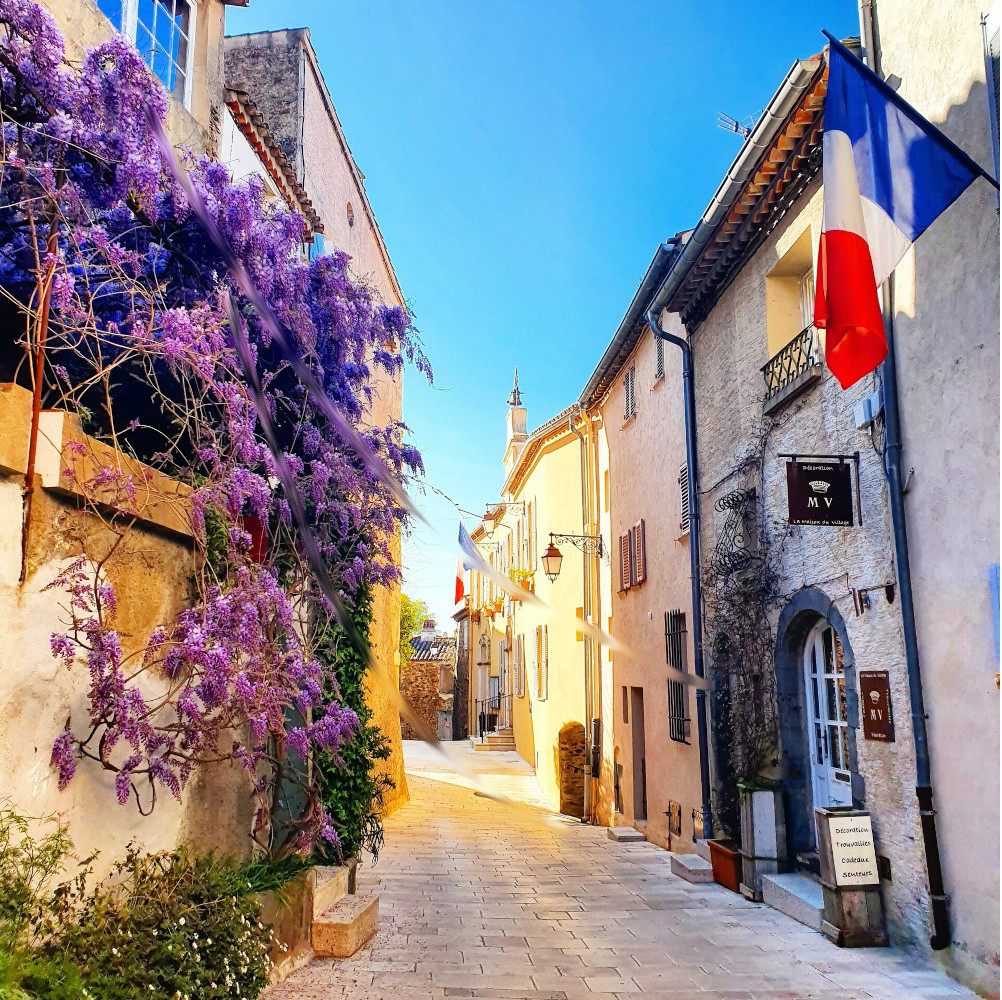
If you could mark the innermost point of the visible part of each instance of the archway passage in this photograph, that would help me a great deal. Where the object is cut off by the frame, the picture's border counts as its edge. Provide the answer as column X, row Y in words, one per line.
column 818, row 713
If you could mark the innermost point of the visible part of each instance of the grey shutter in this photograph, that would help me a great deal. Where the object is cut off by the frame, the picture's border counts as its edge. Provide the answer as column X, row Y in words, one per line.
column 683, row 489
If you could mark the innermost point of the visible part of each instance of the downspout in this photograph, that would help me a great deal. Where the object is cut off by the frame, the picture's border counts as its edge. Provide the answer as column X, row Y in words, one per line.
column 586, row 606
column 939, row 900
column 596, row 596
column 689, row 396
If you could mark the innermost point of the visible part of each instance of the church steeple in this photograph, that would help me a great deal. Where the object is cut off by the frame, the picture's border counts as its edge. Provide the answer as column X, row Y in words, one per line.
column 515, row 399
column 516, row 435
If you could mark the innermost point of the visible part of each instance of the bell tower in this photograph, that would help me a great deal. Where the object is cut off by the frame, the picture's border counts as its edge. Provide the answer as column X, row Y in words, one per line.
column 516, row 435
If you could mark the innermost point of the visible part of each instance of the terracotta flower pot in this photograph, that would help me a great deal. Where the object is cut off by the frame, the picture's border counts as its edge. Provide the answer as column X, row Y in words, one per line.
column 726, row 860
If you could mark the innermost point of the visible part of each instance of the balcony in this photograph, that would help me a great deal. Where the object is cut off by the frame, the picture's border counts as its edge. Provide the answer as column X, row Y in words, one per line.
column 792, row 370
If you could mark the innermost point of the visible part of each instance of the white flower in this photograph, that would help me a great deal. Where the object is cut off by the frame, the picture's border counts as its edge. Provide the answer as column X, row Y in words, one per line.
column 181, row 921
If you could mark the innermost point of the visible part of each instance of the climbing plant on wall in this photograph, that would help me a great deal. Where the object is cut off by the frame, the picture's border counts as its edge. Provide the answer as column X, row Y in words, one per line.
column 174, row 312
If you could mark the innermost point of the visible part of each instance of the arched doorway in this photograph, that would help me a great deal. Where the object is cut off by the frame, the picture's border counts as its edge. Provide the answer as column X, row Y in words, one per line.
column 818, row 713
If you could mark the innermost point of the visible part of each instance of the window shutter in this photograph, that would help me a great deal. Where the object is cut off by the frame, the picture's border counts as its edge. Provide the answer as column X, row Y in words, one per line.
column 624, row 562
column 632, row 535
column 640, row 547
column 546, row 661
column 683, row 487
column 539, row 661
column 659, row 372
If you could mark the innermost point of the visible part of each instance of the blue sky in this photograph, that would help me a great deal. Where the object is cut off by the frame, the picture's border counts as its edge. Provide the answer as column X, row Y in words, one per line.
column 524, row 160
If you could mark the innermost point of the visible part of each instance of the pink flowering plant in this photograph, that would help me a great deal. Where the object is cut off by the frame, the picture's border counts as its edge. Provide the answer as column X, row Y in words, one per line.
column 174, row 311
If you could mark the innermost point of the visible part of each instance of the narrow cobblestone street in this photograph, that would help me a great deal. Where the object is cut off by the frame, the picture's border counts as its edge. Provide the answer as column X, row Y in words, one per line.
column 481, row 900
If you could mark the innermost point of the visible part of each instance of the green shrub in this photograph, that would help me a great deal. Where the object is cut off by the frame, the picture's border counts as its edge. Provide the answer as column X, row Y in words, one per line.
column 165, row 926
column 352, row 791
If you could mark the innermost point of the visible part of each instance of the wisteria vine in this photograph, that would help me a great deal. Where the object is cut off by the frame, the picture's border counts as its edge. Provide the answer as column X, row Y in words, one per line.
column 176, row 314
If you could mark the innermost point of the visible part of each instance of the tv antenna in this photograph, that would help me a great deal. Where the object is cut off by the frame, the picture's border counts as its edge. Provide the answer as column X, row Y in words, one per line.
column 729, row 124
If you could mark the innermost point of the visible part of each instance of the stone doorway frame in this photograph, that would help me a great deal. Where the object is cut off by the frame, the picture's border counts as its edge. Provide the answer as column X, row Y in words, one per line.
column 796, row 621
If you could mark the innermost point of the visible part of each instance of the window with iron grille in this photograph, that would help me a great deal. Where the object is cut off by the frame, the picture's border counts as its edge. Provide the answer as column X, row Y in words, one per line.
column 659, row 371
column 683, row 492
column 629, row 392
column 990, row 26
column 678, row 700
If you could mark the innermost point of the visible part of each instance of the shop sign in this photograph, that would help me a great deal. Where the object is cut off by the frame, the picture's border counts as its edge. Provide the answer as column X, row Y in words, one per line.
column 875, row 705
column 819, row 491
column 854, row 859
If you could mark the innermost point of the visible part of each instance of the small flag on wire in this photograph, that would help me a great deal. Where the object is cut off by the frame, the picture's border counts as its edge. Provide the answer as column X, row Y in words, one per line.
column 888, row 174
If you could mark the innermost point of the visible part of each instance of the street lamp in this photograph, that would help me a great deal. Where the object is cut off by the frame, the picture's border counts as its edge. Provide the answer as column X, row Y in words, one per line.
column 496, row 511
column 552, row 559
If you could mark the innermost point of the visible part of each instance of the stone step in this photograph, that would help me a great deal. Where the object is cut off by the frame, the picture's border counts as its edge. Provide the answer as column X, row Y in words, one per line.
column 340, row 931
column 692, row 868
column 495, row 745
column 796, row 895
column 625, row 835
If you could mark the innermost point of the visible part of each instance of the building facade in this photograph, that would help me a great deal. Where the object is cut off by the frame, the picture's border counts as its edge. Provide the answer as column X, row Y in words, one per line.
column 635, row 391
column 803, row 623
column 280, row 72
column 427, row 682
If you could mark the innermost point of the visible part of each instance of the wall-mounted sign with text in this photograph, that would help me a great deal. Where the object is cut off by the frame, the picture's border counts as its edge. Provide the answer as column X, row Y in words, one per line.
column 875, row 705
column 819, row 490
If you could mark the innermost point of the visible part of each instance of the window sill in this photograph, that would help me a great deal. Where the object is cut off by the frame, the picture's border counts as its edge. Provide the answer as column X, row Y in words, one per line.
column 658, row 382
column 683, row 537
column 799, row 385
column 631, row 419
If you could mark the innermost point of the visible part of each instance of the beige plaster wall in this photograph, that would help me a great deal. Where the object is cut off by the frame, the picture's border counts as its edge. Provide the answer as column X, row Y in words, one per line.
column 740, row 448
column 553, row 482
column 947, row 335
column 151, row 572
column 645, row 453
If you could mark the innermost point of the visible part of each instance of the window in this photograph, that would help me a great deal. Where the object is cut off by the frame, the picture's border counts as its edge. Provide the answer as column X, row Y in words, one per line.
column 542, row 662
column 633, row 556
column 678, row 702
column 316, row 247
column 659, row 370
column 520, row 666
column 789, row 294
column 162, row 31
column 629, row 392
column 683, row 496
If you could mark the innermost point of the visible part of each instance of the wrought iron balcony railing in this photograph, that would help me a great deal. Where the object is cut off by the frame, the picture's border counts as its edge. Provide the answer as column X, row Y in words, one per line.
column 798, row 357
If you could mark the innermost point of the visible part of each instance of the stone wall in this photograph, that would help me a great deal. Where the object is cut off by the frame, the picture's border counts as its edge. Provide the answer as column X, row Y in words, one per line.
column 419, row 681
column 572, row 761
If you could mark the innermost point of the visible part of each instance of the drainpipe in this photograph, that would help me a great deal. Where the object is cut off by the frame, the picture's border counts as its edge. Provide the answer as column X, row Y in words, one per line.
column 586, row 608
column 939, row 900
column 689, row 396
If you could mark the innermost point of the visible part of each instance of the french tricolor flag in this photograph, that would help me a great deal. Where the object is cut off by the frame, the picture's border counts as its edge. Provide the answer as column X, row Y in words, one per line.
column 888, row 173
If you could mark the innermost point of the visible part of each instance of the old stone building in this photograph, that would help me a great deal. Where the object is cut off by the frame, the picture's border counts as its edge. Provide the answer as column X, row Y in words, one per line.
column 803, row 620
column 427, row 682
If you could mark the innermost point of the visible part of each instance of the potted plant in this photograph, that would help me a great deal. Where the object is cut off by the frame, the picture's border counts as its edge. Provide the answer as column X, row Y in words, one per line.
column 725, row 857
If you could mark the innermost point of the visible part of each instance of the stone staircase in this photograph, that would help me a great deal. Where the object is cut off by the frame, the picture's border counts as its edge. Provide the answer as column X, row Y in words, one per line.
column 503, row 739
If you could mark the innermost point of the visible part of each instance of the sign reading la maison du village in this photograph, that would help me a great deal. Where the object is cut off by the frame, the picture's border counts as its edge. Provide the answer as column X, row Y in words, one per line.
column 819, row 491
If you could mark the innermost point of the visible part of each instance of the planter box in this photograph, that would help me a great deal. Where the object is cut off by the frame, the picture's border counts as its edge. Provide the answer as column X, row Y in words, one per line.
column 726, row 860
column 763, row 838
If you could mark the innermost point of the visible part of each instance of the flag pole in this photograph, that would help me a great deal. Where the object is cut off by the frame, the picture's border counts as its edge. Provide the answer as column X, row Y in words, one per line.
column 899, row 102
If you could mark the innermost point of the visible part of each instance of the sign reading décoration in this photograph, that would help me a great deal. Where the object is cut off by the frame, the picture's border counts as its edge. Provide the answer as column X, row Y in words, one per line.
column 875, row 705
column 854, row 859
column 819, row 491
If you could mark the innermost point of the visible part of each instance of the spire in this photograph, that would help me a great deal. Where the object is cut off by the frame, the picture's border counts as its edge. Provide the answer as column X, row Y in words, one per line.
column 515, row 399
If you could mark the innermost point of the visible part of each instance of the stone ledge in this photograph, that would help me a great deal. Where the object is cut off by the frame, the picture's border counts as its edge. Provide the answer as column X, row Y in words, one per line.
column 795, row 895
column 692, row 868
column 346, row 926
column 626, row 835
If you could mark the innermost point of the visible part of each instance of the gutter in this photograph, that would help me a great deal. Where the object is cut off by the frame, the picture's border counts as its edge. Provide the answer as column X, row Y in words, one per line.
column 797, row 80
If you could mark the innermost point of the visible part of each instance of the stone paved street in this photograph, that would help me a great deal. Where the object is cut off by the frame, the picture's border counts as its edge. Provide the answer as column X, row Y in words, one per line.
column 481, row 900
